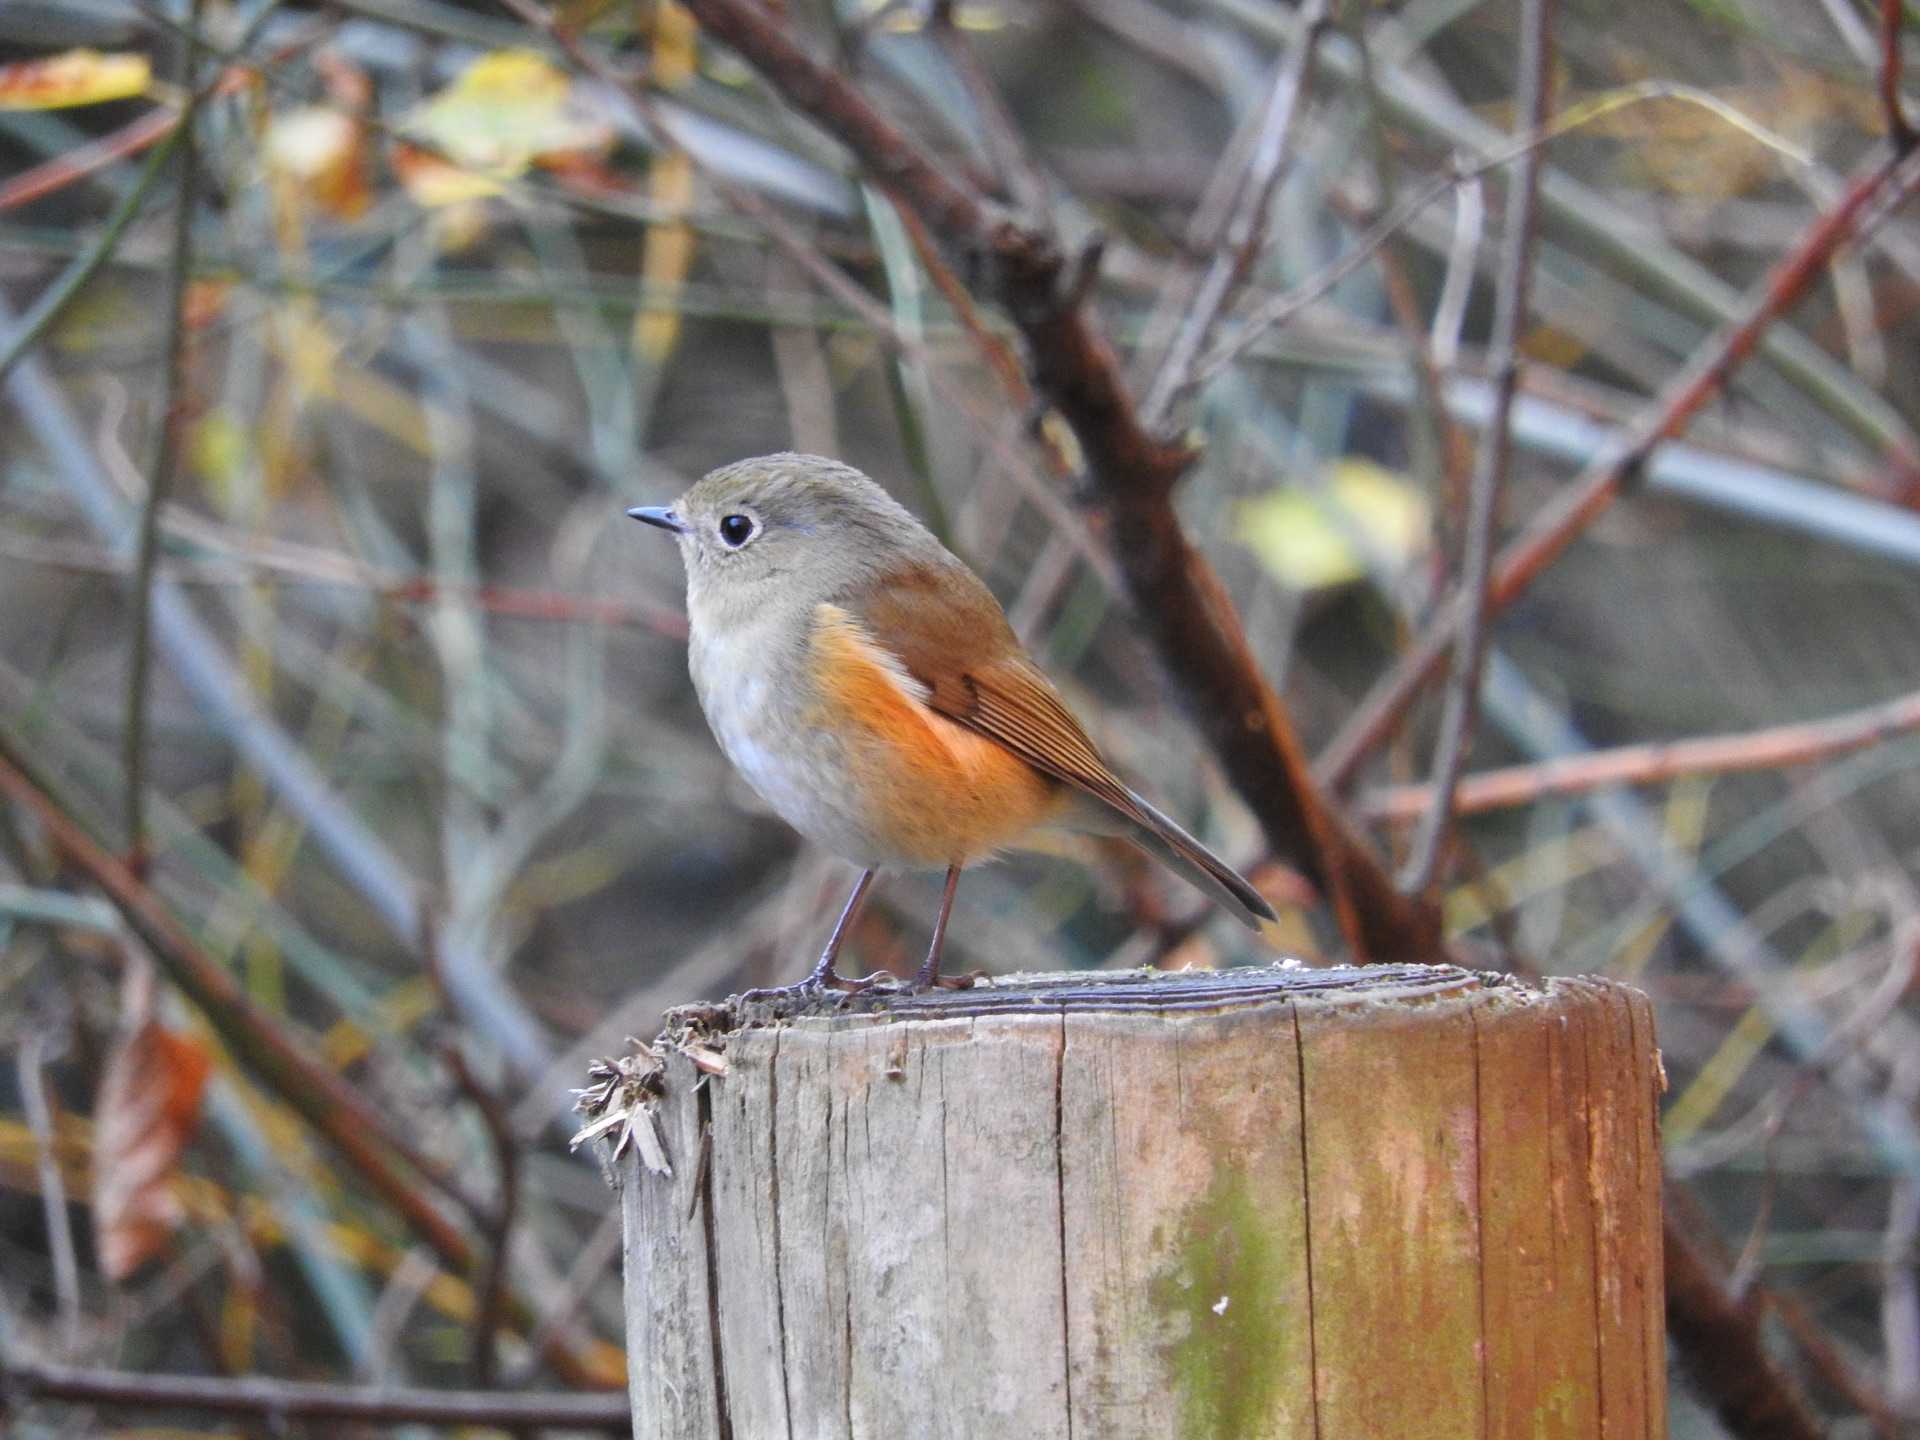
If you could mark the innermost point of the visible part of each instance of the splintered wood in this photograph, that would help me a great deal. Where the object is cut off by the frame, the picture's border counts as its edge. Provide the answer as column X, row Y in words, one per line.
column 1333, row 1205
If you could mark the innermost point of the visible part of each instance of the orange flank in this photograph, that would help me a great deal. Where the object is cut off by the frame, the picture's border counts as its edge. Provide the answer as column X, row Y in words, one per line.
column 935, row 791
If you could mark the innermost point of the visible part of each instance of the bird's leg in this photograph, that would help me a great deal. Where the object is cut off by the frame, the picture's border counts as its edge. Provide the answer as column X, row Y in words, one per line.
column 930, row 969
column 822, row 975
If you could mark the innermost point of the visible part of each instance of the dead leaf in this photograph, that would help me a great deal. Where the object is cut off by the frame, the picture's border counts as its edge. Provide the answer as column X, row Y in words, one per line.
column 146, row 1112
column 78, row 77
column 318, row 152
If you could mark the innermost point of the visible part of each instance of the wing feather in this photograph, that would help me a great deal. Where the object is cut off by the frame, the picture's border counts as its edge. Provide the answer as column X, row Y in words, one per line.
column 950, row 635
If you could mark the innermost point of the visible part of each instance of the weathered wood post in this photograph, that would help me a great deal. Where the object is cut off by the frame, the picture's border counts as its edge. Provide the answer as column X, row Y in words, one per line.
column 1405, row 1201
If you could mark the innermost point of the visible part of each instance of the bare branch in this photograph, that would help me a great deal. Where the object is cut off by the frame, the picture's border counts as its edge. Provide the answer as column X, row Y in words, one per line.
column 1899, row 129
column 1460, row 709
column 280, row 1401
column 166, row 455
column 1774, row 748
column 1595, row 489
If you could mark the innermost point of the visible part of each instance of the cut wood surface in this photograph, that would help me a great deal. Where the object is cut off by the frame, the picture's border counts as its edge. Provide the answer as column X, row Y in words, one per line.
column 1341, row 1204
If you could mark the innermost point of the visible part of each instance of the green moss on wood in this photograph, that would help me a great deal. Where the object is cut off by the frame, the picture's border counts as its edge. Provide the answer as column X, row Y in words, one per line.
column 1229, row 1358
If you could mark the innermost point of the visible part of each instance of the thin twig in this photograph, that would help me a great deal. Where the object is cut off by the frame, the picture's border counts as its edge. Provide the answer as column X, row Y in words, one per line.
column 1017, row 170
column 1244, row 231
column 1460, row 709
column 1658, row 762
column 29, row 1067
column 158, row 124
column 383, row 1158
column 166, row 454
column 488, row 1312
column 1595, row 489
column 1899, row 129
column 281, row 1401
column 54, row 300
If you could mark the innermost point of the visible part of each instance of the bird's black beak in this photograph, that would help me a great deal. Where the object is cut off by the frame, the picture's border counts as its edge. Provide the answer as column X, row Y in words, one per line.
column 658, row 515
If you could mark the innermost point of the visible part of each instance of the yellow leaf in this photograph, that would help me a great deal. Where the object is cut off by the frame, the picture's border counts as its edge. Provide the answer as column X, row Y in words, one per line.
column 1314, row 537
column 219, row 449
column 508, row 110
column 78, row 77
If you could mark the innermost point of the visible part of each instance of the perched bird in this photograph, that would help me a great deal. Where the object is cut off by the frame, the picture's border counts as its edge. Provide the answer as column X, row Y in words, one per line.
column 868, row 686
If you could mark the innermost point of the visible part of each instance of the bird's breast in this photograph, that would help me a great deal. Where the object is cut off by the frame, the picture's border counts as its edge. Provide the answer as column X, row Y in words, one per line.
column 837, row 737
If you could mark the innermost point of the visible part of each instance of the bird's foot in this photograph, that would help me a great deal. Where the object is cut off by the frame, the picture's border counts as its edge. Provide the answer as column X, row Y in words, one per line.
column 818, row 983
column 936, row 981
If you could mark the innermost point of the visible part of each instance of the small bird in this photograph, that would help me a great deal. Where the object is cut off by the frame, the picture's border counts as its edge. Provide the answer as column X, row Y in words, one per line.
column 869, row 687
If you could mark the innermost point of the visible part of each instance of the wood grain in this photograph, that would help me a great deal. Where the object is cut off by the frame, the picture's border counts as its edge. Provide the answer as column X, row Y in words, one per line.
column 1278, row 1203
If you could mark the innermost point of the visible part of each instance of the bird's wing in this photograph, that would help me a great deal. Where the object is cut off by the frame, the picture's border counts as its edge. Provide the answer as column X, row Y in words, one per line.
column 949, row 633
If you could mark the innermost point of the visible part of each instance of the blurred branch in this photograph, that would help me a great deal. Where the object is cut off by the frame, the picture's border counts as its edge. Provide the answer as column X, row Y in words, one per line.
column 1654, row 764
column 203, row 667
column 166, row 455
column 1460, row 707
column 1242, row 233
column 1177, row 597
column 492, row 1288
column 280, row 1402
column 1579, row 213
column 1719, row 1333
column 238, row 561
column 158, row 124
column 41, row 316
column 1025, row 183
column 29, row 1069
column 301, row 1078
column 1589, row 495
column 1899, row 129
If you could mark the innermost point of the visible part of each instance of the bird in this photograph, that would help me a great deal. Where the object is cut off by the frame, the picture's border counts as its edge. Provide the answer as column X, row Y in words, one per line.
column 868, row 686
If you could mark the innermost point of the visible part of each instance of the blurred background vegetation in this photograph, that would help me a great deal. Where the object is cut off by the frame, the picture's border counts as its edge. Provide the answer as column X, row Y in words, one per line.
column 318, row 615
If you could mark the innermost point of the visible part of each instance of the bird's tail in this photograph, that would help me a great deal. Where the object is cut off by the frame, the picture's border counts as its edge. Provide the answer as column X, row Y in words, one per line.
column 1161, row 838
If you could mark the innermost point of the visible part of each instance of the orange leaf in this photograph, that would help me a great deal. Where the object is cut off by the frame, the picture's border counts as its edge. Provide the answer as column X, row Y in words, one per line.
column 79, row 77
column 146, row 1112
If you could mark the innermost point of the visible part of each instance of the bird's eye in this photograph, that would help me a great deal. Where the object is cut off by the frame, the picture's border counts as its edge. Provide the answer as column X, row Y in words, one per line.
column 736, row 530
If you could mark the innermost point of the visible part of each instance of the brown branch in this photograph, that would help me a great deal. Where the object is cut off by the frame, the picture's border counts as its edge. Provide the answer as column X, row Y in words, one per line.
column 1176, row 595
column 1590, row 494
column 84, row 160
column 1660, row 761
column 1460, row 709
column 1899, row 129
column 281, row 1401
column 361, row 1135
column 1718, row 1332
column 492, row 1287
column 305, row 1081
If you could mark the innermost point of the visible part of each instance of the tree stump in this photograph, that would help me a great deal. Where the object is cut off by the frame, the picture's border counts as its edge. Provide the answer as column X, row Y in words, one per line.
column 1330, row 1204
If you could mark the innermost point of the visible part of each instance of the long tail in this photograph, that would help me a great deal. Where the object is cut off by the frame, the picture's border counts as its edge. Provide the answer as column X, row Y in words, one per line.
column 1161, row 838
